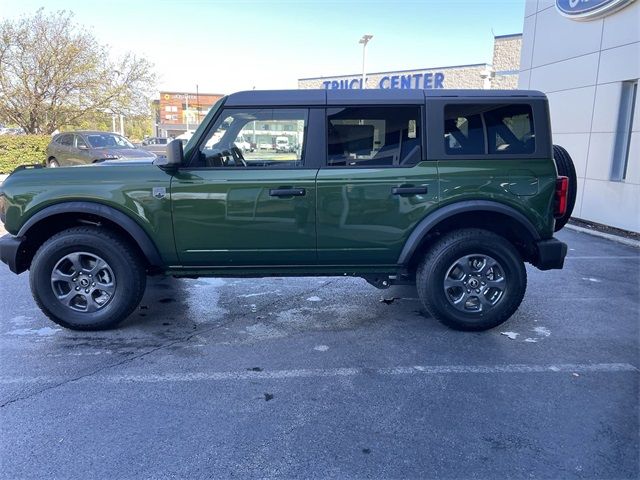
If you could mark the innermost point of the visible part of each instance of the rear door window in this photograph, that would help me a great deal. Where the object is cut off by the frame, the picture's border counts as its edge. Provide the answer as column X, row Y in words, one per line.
column 373, row 136
column 66, row 140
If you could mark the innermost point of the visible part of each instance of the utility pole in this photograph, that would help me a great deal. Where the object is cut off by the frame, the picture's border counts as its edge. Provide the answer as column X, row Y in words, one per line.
column 186, row 110
column 198, row 103
column 364, row 40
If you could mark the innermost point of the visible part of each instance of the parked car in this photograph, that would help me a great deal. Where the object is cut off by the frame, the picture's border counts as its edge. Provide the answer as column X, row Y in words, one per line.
column 282, row 144
column 243, row 145
column 455, row 205
column 156, row 145
column 266, row 146
column 78, row 148
column 11, row 131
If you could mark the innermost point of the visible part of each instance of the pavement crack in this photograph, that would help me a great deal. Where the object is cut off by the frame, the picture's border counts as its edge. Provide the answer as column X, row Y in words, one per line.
column 169, row 344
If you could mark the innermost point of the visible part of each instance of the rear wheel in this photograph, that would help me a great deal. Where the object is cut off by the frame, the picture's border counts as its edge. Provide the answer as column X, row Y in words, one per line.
column 471, row 279
column 565, row 167
column 87, row 278
column 53, row 163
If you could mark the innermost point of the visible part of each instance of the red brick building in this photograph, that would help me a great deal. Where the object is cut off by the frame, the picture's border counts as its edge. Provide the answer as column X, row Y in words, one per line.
column 178, row 112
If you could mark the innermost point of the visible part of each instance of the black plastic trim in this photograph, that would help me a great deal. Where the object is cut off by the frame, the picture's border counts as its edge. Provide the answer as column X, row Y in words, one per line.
column 551, row 254
column 145, row 243
column 9, row 251
column 423, row 228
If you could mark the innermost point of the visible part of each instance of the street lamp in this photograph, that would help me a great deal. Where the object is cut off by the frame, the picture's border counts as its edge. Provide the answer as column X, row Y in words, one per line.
column 364, row 40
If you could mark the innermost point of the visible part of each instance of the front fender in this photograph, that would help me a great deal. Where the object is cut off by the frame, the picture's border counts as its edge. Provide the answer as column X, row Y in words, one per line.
column 141, row 237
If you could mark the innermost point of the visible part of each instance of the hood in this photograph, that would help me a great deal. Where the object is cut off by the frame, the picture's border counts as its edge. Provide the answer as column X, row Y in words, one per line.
column 123, row 153
column 125, row 162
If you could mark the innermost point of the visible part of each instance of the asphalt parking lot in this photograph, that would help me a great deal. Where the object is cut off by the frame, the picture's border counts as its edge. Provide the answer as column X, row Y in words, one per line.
column 319, row 378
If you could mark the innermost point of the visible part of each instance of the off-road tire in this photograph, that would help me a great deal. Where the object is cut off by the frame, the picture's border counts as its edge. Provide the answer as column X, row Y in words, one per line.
column 120, row 256
column 433, row 270
column 565, row 167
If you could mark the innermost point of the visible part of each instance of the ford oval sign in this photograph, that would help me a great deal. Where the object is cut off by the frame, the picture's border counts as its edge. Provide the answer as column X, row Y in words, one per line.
column 589, row 9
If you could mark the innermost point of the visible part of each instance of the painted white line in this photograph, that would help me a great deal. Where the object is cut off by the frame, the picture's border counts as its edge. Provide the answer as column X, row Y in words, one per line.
column 604, row 257
column 335, row 372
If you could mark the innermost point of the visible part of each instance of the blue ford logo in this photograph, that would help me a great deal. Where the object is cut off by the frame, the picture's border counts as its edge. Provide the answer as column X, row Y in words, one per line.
column 589, row 9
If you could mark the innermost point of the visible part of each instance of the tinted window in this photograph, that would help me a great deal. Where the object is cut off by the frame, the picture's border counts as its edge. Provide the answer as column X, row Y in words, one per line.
column 255, row 137
column 476, row 129
column 463, row 130
column 65, row 140
column 510, row 129
column 80, row 142
column 373, row 136
column 108, row 140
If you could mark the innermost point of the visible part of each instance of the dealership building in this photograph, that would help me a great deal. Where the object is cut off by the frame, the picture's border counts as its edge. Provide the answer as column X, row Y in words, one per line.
column 501, row 73
column 585, row 55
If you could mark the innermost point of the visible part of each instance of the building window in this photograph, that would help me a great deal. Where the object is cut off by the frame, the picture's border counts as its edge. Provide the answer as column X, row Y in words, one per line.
column 624, row 128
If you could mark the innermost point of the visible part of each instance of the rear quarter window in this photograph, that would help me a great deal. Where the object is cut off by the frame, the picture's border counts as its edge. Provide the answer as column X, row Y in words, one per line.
column 496, row 129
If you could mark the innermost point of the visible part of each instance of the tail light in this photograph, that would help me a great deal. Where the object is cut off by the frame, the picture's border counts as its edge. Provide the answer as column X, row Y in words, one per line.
column 562, row 195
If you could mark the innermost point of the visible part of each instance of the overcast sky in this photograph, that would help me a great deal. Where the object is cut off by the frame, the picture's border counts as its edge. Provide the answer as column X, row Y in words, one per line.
column 226, row 46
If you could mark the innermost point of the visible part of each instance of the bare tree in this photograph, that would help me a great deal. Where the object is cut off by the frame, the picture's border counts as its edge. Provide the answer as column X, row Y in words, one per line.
column 54, row 73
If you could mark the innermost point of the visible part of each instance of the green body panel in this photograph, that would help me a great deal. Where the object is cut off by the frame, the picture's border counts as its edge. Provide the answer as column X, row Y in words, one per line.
column 127, row 188
column 527, row 186
column 360, row 221
column 347, row 222
column 226, row 217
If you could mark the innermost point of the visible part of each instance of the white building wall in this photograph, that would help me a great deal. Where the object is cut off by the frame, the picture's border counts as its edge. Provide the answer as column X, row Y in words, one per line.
column 581, row 65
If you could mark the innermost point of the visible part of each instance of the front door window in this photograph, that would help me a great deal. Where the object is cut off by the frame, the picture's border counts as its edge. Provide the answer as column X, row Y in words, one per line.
column 254, row 137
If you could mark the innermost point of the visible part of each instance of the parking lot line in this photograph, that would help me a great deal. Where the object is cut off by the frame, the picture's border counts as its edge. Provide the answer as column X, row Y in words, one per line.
column 604, row 257
column 336, row 372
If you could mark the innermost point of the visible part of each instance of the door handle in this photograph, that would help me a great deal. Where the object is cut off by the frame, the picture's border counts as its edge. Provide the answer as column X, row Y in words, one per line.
column 409, row 190
column 287, row 192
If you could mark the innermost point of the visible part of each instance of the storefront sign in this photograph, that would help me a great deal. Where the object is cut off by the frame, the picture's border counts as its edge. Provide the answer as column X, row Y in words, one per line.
column 403, row 82
column 589, row 9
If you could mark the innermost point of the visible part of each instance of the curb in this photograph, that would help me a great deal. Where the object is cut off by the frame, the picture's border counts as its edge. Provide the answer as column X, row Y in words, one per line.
column 2, row 178
column 615, row 238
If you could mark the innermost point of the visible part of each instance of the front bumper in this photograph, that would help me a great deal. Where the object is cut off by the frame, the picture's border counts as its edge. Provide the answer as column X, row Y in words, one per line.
column 11, row 253
column 550, row 254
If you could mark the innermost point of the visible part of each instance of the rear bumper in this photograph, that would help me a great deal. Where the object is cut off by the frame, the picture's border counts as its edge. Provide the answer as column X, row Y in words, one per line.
column 10, row 252
column 550, row 254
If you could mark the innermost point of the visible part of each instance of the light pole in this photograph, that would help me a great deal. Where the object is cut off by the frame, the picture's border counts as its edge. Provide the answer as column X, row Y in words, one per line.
column 186, row 114
column 364, row 40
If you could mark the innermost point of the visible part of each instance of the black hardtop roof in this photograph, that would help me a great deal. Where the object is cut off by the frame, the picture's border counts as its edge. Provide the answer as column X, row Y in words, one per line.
column 356, row 96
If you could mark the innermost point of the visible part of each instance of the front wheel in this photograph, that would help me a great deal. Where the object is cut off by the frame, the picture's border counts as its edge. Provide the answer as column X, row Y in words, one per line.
column 471, row 279
column 87, row 278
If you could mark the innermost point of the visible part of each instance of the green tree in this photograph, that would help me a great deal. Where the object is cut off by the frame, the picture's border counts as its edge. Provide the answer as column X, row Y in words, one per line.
column 54, row 73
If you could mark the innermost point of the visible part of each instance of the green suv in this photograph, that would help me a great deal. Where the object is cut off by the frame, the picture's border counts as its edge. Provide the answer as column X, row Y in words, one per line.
column 451, row 190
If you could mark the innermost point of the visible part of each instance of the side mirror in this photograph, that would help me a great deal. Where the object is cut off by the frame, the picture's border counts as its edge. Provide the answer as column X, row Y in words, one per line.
column 175, row 156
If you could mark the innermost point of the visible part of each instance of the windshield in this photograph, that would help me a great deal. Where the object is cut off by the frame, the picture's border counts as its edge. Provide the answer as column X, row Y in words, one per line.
column 108, row 140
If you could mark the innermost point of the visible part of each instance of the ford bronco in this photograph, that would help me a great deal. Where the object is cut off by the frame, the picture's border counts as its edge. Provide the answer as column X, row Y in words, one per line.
column 451, row 190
